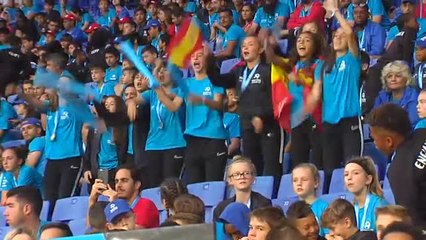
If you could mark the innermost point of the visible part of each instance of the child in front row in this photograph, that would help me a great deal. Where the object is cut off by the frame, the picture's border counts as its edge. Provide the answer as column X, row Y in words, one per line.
column 421, row 110
column 340, row 218
column 361, row 180
column 306, row 180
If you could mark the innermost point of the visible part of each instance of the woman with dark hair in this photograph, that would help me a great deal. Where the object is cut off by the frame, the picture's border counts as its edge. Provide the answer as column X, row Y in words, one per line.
column 165, row 144
column 247, row 15
column 165, row 17
column 16, row 172
column 106, row 148
column 339, row 77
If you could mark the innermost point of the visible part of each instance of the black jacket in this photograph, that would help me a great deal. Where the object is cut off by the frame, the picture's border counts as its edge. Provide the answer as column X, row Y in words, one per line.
column 256, row 99
column 257, row 201
column 407, row 176
column 367, row 235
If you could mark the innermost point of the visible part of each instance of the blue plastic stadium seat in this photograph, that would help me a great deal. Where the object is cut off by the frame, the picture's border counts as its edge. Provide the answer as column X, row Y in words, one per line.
column 285, row 190
column 45, row 210
column 227, row 65
column 78, row 226
column 71, row 208
column 333, row 196
column 284, row 204
column 211, row 193
column 13, row 143
column 208, row 217
column 263, row 185
column 2, row 218
column 4, row 231
column 337, row 183
column 388, row 194
column 366, row 132
column 154, row 195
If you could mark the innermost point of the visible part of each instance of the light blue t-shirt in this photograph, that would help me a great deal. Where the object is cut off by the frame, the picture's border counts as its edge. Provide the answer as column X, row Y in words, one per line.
column 108, row 18
column 86, row 18
column 67, row 141
column 107, row 155
column 231, row 122
column 202, row 121
column 27, row 176
column 156, row 41
column 237, row 34
column 393, row 31
column 190, row 7
column 369, row 223
column 107, row 89
column 165, row 130
column 267, row 21
column 318, row 207
column 421, row 124
column 341, row 97
column 376, row 8
column 113, row 74
column 38, row 145
column 6, row 113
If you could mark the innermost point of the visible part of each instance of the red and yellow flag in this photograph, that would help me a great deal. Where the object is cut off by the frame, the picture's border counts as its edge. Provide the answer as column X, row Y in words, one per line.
column 281, row 97
column 188, row 39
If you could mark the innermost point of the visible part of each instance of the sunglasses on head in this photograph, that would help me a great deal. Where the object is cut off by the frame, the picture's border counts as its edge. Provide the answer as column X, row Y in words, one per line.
column 359, row 4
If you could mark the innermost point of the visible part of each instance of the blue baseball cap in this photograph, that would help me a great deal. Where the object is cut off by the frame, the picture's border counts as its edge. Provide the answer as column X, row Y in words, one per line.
column 116, row 208
column 421, row 43
column 152, row 23
column 31, row 121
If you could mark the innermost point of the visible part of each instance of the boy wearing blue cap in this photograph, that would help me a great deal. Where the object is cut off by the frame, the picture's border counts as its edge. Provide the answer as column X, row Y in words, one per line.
column 119, row 216
column 31, row 129
column 154, row 30
column 420, row 70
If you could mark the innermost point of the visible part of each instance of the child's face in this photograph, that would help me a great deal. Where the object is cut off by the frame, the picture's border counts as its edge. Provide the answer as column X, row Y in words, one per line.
column 111, row 60
column 28, row 88
column 356, row 179
column 97, row 75
column 241, row 176
column 130, row 93
column 384, row 220
column 421, row 54
column 103, row 6
column 340, row 229
column 127, row 64
column 148, row 58
column 308, row 227
column 304, row 183
column 127, row 78
column 65, row 45
column 141, row 84
column 258, row 229
column 50, row 38
column 421, row 105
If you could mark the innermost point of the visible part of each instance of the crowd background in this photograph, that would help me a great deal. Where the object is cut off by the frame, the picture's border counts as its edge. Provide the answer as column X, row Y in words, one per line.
column 314, row 90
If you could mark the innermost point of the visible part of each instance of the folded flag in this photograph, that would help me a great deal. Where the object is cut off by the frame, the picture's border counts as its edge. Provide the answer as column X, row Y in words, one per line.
column 281, row 97
column 188, row 40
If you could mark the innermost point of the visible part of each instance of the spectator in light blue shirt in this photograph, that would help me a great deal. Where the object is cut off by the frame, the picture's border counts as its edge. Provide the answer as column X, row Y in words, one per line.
column 232, row 35
column 273, row 13
column 6, row 113
column 154, row 32
column 17, row 174
column 376, row 8
column 32, row 129
column 107, row 15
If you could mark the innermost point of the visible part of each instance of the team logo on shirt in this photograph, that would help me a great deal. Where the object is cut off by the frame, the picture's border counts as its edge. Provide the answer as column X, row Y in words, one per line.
column 207, row 91
column 421, row 159
column 256, row 79
column 342, row 66
column 64, row 115
column 367, row 225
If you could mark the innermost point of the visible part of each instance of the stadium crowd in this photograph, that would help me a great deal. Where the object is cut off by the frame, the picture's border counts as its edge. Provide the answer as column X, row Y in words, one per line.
column 275, row 87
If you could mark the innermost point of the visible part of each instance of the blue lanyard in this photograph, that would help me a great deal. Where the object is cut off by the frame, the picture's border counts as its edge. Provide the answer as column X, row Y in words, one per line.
column 133, row 205
column 246, row 80
column 363, row 225
column 158, row 109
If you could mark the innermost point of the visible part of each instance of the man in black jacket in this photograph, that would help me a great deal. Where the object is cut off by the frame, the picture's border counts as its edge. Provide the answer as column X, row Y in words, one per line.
column 392, row 134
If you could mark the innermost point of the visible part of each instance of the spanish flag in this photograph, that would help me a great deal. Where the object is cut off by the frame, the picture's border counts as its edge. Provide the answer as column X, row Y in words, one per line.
column 281, row 97
column 188, row 39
